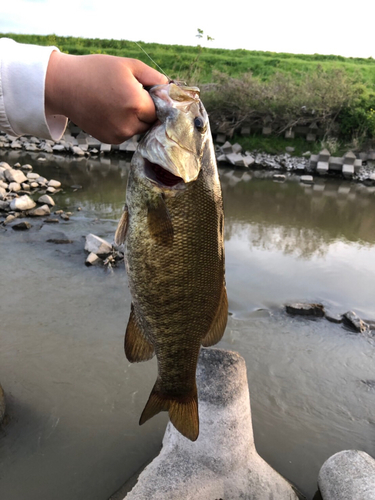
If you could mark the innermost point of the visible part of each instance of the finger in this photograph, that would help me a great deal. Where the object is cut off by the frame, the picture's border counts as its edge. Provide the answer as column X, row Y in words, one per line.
column 146, row 108
column 147, row 76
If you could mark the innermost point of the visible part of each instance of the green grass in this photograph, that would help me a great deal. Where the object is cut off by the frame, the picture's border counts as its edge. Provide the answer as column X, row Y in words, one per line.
column 179, row 61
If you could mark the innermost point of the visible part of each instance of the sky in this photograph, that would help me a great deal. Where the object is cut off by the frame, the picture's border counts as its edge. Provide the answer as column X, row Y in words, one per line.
column 295, row 26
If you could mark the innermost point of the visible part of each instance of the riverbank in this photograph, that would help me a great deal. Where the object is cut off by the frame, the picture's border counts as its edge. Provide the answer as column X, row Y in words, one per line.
column 357, row 166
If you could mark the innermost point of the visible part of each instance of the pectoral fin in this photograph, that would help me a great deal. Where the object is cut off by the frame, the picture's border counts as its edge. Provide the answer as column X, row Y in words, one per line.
column 159, row 222
column 137, row 347
column 219, row 323
column 122, row 227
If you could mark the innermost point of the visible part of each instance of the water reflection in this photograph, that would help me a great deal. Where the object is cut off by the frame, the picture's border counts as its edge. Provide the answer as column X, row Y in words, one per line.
column 77, row 400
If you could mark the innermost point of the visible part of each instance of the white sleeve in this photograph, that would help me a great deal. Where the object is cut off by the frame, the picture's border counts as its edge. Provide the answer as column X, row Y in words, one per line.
column 23, row 70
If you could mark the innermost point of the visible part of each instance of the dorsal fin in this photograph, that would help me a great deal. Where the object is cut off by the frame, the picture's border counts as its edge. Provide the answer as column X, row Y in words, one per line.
column 219, row 323
column 137, row 347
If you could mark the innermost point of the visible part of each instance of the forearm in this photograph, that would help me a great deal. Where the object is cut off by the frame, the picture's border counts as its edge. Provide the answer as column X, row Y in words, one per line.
column 23, row 71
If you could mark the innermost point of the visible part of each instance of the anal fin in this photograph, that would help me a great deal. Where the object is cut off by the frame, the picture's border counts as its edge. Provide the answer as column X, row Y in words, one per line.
column 219, row 323
column 137, row 347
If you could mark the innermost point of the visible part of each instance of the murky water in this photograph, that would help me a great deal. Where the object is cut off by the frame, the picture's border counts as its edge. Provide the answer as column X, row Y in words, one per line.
column 74, row 401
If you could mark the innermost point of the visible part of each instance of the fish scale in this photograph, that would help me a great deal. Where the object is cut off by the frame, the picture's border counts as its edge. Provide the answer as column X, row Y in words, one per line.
column 175, row 255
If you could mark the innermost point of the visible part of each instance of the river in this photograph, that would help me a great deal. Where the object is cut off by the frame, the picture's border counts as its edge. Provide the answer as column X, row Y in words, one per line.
column 74, row 400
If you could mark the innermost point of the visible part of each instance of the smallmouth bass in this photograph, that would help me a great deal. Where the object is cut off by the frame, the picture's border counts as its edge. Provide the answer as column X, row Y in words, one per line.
column 172, row 227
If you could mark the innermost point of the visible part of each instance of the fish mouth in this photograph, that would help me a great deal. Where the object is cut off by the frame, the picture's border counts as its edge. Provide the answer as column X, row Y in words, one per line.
column 160, row 175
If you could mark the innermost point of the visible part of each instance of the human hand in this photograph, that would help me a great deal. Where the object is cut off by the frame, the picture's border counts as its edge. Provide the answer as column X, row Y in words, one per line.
column 102, row 94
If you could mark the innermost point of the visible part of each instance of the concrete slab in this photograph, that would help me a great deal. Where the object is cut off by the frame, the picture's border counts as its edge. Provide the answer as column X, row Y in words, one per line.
column 223, row 463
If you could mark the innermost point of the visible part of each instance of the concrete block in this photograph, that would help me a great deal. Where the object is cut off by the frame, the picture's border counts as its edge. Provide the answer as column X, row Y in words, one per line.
column 357, row 165
column 324, row 155
column 348, row 171
column 245, row 131
column 105, row 148
column 336, row 163
column 322, row 167
column 371, row 155
column 289, row 134
column 310, row 137
column 348, row 475
column 266, row 130
column 248, row 160
column 220, row 138
column 235, row 159
column 349, row 158
column 222, row 462
column 227, row 148
column 313, row 161
column 237, row 148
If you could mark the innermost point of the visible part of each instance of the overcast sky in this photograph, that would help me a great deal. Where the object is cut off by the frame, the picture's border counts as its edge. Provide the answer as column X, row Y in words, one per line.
column 297, row 26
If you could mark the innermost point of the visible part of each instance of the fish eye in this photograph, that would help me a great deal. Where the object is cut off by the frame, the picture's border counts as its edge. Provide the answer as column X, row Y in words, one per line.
column 199, row 125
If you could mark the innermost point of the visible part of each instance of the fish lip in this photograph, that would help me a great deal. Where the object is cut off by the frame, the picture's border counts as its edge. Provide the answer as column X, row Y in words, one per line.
column 156, row 174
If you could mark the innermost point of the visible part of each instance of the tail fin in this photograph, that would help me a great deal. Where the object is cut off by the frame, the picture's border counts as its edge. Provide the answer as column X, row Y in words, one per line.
column 183, row 411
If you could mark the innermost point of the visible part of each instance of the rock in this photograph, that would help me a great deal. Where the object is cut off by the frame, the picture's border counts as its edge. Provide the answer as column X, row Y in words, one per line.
column 54, row 184
column 353, row 321
column 9, row 218
column 97, row 245
column 235, row 159
column 289, row 149
column 279, row 177
column 51, row 221
column 333, row 318
column 4, row 205
column 5, row 165
column 248, row 160
column 51, row 190
column 25, row 186
column 14, row 186
column 65, row 217
column 348, row 475
column 58, row 148
column 27, row 166
column 34, row 185
column 22, row 226
column 236, row 148
column 13, row 175
column 223, row 462
column 39, row 211
column 316, row 310
column 93, row 259
column 59, row 241
column 32, row 175
column 76, row 150
column 46, row 200
column 22, row 203
column 307, row 179
column 42, row 181
column 2, row 404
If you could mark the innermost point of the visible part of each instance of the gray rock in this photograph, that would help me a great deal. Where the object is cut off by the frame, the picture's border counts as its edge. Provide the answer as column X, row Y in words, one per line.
column 97, row 245
column 40, row 211
column 307, row 179
column 25, row 186
column 46, row 200
column 279, row 177
column 13, row 175
column 76, row 150
column 5, row 165
column 22, row 203
column 348, row 475
column 355, row 322
column 14, row 186
column 2, row 193
column 54, row 184
column 302, row 309
column 21, row 226
column 42, row 181
column 27, row 167
column 32, row 175
column 223, row 463
column 93, row 259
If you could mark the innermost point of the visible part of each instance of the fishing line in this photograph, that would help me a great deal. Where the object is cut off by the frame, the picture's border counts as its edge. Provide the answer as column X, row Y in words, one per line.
column 156, row 64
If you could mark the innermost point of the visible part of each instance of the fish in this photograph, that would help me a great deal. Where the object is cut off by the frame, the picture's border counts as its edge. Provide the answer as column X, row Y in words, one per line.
column 173, row 231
